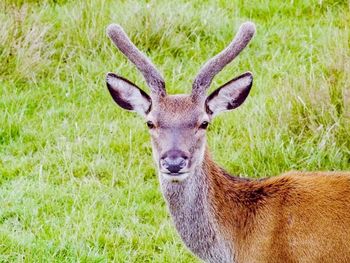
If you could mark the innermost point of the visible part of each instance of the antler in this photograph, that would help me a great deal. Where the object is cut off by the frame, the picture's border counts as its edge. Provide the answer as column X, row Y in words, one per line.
column 153, row 78
column 217, row 63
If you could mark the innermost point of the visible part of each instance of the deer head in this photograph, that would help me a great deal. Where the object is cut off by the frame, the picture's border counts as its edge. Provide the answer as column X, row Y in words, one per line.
column 177, row 123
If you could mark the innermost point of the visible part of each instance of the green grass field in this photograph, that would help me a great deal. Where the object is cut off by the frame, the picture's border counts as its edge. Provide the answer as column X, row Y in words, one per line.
column 77, row 181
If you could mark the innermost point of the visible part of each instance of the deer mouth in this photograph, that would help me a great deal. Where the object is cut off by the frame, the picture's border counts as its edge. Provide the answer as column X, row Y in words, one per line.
column 175, row 177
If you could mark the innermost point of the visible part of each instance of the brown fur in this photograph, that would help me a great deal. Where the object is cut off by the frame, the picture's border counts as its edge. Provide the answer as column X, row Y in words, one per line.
column 295, row 217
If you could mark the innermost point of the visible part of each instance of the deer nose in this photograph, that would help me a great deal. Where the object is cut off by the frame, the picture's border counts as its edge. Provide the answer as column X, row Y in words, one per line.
column 174, row 161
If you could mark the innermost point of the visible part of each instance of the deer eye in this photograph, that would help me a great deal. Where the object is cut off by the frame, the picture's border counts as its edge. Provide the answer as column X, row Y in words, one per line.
column 204, row 125
column 150, row 124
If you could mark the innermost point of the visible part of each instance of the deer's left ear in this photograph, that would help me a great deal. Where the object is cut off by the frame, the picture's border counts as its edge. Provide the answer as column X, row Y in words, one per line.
column 229, row 96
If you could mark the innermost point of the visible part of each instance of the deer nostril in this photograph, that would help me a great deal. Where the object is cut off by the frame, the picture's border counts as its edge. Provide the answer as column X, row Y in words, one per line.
column 174, row 160
column 182, row 163
column 173, row 165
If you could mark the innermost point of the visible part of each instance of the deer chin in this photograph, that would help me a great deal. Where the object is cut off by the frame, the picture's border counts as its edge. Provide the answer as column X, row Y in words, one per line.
column 174, row 177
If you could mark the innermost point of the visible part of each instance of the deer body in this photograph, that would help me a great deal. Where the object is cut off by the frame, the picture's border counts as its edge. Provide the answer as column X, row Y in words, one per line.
column 295, row 217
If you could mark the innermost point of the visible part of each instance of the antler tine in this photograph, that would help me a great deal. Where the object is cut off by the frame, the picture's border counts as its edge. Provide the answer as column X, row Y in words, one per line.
column 153, row 78
column 217, row 63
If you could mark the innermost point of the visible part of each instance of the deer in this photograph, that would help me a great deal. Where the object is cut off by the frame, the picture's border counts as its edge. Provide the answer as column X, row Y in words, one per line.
column 293, row 217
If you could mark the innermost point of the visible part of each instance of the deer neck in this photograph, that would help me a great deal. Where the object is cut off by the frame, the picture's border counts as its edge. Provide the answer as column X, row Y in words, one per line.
column 193, row 213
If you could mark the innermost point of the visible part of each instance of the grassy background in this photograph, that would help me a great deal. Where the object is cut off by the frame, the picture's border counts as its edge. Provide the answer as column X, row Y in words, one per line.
column 77, row 182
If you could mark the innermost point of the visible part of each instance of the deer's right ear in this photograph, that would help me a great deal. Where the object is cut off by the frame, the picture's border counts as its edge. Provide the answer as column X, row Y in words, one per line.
column 127, row 95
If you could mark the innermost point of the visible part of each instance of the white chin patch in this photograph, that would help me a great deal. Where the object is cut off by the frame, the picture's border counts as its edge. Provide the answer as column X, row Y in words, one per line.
column 175, row 178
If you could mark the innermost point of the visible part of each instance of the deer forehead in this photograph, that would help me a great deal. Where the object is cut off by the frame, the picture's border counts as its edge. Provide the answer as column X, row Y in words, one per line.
column 177, row 110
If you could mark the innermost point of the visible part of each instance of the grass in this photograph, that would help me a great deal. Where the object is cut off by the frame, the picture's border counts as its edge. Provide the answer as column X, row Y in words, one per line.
column 77, row 182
